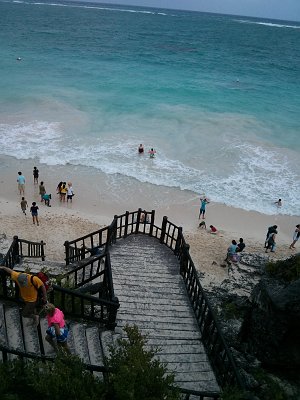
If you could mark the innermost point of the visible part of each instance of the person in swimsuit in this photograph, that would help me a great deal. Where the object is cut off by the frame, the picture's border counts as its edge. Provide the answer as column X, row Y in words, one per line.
column 141, row 149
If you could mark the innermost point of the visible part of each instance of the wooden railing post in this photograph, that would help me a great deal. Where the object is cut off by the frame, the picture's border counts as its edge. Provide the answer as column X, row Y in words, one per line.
column 16, row 253
column 184, row 258
column 115, row 228
column 67, row 252
column 126, row 224
column 42, row 250
column 163, row 229
column 178, row 241
column 152, row 222
column 112, row 314
column 138, row 218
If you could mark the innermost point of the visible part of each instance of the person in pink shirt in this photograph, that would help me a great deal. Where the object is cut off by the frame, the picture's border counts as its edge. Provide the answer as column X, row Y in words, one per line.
column 57, row 332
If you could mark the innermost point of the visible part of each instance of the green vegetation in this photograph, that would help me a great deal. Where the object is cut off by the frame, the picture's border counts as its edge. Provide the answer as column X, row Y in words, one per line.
column 230, row 310
column 287, row 270
column 136, row 375
column 271, row 389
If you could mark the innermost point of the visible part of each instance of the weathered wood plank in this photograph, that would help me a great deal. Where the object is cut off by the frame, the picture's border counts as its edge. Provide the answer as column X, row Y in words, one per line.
column 153, row 296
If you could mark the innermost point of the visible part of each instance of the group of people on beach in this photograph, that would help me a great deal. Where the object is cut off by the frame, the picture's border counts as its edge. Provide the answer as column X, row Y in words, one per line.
column 64, row 190
column 237, row 247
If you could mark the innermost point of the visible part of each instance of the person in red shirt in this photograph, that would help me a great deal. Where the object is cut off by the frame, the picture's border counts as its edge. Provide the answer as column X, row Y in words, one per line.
column 213, row 229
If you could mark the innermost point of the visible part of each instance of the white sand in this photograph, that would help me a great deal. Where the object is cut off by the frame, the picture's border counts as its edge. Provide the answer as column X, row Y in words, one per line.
column 97, row 199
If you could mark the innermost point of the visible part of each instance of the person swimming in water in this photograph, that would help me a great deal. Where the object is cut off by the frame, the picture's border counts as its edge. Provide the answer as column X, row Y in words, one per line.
column 141, row 149
column 152, row 153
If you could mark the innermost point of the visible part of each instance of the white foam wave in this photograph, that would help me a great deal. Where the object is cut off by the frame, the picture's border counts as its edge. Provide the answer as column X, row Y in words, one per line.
column 93, row 7
column 257, row 175
column 271, row 24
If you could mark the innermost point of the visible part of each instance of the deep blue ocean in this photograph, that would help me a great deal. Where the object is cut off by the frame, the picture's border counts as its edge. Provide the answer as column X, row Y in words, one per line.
column 217, row 96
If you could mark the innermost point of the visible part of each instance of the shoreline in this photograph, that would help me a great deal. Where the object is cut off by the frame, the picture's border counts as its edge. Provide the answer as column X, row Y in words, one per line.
column 96, row 201
column 98, row 197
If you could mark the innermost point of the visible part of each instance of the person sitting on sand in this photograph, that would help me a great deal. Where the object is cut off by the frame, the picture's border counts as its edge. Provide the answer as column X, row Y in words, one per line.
column 141, row 149
column 231, row 253
column 152, row 153
column 240, row 246
column 202, row 225
column 213, row 229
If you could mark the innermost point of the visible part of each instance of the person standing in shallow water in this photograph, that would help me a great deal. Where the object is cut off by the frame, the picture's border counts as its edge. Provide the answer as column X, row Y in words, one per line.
column 141, row 149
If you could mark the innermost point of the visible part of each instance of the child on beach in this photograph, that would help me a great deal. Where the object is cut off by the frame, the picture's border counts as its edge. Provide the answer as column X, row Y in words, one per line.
column 34, row 212
column 70, row 192
column 213, row 229
column 152, row 153
column 23, row 205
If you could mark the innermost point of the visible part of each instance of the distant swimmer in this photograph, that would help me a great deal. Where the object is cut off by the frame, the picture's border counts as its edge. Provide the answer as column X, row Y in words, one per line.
column 19, row 58
column 152, row 153
column 278, row 203
column 141, row 149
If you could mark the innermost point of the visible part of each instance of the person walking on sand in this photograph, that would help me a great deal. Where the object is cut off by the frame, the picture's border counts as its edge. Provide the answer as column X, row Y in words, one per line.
column 35, row 175
column 28, row 285
column 42, row 190
column 295, row 236
column 271, row 243
column 57, row 332
column 204, row 201
column 271, row 229
column 34, row 212
column 23, row 205
column 21, row 183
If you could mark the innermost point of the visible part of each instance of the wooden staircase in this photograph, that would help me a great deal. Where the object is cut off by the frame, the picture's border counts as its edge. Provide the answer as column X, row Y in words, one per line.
column 153, row 296
column 87, row 340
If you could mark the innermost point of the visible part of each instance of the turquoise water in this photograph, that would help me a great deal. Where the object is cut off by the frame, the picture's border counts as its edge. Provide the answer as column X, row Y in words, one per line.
column 217, row 96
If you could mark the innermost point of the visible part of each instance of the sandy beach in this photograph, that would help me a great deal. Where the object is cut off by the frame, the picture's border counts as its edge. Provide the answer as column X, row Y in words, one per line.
column 96, row 201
